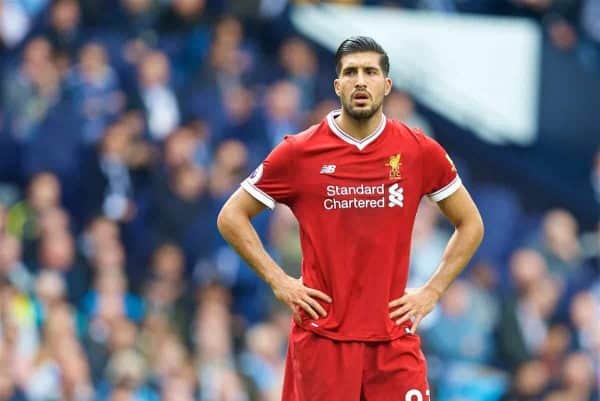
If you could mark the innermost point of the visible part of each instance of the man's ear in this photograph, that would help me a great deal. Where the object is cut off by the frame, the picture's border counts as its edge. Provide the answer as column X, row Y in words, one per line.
column 336, row 87
column 388, row 86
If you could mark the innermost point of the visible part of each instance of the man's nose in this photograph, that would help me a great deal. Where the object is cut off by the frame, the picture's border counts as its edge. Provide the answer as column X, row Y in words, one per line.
column 360, row 80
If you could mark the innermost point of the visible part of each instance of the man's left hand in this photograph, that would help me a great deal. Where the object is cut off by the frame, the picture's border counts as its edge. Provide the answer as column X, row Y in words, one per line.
column 415, row 304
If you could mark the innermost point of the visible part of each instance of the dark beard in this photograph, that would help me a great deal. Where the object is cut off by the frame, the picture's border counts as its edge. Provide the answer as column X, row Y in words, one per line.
column 362, row 114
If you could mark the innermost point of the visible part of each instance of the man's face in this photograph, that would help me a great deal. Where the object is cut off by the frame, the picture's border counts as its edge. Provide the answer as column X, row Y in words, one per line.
column 362, row 84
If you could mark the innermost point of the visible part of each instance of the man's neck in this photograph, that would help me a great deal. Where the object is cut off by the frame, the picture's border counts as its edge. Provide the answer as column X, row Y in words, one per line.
column 359, row 129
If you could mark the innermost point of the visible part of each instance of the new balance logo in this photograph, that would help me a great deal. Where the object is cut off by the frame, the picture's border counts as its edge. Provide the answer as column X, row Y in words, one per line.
column 396, row 196
column 328, row 169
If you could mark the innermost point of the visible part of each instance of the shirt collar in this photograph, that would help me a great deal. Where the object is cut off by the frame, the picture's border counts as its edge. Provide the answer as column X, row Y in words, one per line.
column 360, row 144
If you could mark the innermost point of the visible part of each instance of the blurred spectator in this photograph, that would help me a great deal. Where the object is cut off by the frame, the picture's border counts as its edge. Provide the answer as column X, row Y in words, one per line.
column 321, row 110
column 96, row 88
column 531, row 381
column 283, row 236
column 43, row 193
column 179, row 202
column 57, row 253
column 472, row 338
column 65, row 30
column 54, row 221
column 110, row 256
column 128, row 374
column 168, row 264
column 139, row 19
column 185, row 35
column 585, row 317
column 18, row 334
column 554, row 350
column 429, row 242
column 229, row 166
column 562, row 34
column 213, row 316
column 264, row 361
column 179, row 388
column 461, row 364
column 283, row 112
column 173, row 363
column 300, row 65
column 34, row 88
column 43, row 381
column 399, row 105
column 157, row 95
column 245, row 124
column 50, row 291
column 578, row 377
column 231, row 63
column 75, row 373
column 12, row 266
column 9, row 390
column 523, row 325
column 106, row 338
column 226, row 65
column 252, row 297
column 560, row 245
column 98, row 233
column 216, row 370
column 180, row 148
column 108, row 188
column 182, row 15
column 110, row 300
column 167, row 290
column 527, row 268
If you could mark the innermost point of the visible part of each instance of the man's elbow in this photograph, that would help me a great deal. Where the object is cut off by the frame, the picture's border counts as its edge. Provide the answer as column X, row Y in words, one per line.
column 478, row 229
column 225, row 219
column 472, row 227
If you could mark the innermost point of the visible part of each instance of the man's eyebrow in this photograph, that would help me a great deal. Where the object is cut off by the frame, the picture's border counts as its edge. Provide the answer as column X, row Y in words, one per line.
column 353, row 66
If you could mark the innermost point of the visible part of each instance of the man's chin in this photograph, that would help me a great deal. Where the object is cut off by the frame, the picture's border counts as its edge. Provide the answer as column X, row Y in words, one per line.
column 361, row 114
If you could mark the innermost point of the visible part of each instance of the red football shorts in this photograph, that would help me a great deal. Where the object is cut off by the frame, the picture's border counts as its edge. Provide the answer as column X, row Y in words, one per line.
column 321, row 369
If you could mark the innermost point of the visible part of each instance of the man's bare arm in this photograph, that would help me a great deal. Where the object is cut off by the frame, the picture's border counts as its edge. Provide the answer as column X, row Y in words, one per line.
column 463, row 214
column 460, row 209
column 234, row 223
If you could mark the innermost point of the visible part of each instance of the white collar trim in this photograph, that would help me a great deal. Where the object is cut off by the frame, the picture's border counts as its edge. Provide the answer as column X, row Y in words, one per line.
column 360, row 144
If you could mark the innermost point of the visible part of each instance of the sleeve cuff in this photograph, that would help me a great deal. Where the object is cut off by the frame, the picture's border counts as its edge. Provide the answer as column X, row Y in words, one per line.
column 446, row 191
column 257, row 194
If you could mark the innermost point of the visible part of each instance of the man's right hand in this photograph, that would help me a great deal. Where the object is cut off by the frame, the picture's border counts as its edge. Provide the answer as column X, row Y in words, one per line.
column 296, row 296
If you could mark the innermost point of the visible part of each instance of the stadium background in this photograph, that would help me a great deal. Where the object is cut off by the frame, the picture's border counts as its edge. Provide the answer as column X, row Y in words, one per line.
column 124, row 126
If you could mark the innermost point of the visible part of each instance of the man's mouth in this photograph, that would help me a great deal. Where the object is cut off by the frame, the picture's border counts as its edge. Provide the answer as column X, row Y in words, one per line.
column 361, row 96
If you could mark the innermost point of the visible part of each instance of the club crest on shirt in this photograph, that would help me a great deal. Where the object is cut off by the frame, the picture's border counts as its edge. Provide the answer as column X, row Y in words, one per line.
column 394, row 164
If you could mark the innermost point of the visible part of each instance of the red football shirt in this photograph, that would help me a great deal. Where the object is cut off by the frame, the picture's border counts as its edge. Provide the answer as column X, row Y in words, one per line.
column 355, row 202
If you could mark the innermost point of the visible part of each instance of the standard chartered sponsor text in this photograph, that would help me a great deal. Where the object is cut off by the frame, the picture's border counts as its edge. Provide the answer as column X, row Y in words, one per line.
column 333, row 201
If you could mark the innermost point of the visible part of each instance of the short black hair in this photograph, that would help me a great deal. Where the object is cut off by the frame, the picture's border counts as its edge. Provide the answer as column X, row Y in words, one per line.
column 360, row 44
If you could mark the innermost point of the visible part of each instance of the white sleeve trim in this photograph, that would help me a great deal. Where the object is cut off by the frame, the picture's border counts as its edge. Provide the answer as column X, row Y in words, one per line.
column 446, row 191
column 258, row 194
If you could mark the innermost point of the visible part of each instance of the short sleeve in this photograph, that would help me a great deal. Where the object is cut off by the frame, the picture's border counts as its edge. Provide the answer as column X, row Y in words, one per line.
column 440, row 178
column 271, row 182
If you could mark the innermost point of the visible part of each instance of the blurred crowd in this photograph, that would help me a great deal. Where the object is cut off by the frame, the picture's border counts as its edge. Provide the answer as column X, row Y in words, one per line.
column 124, row 126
